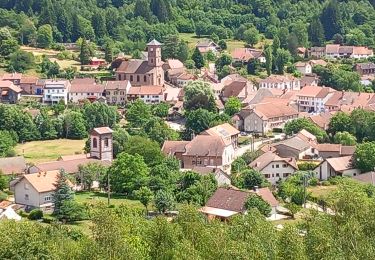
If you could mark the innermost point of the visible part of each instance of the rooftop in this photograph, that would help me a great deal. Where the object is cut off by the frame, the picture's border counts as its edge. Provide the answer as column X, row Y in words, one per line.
column 265, row 159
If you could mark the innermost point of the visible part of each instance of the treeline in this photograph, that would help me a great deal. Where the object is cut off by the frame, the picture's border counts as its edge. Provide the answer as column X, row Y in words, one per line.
column 17, row 125
column 124, row 233
column 130, row 23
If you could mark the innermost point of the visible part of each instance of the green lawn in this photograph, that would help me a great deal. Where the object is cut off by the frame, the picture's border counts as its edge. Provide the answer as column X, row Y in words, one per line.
column 192, row 40
column 321, row 191
column 50, row 150
column 94, row 197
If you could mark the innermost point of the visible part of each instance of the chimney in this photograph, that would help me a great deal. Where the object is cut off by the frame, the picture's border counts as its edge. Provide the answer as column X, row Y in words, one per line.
column 45, row 174
column 38, row 174
column 256, row 189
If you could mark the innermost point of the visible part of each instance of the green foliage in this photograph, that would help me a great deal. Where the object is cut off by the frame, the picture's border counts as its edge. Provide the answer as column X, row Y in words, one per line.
column 296, row 125
column 344, row 138
column 160, row 110
column 7, row 143
column 144, row 195
column 307, row 166
column 293, row 208
column 50, row 69
column 254, row 201
column 71, row 211
column 120, row 137
column 232, row 106
column 293, row 187
column 138, row 114
column 4, row 182
column 164, row 201
column 198, row 94
column 199, row 120
column 198, row 59
column 157, row 130
column 340, row 122
column 74, row 125
column 35, row 214
column 84, row 55
column 364, row 158
column 62, row 193
column 21, row 61
column 148, row 149
column 99, row 114
column 89, row 173
column 281, row 59
column 128, row 173
column 44, row 36
column 249, row 179
column 251, row 36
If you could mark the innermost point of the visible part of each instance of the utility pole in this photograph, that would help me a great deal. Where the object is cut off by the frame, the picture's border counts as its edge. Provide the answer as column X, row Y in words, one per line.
column 108, row 190
column 304, row 190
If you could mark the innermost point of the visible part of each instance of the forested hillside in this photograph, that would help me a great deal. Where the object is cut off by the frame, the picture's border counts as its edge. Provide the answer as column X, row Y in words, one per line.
column 131, row 23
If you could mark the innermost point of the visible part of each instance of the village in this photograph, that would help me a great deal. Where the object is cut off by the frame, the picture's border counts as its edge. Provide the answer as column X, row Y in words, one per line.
column 278, row 128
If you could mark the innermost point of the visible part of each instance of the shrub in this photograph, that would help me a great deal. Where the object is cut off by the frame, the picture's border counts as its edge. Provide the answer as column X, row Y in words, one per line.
column 306, row 166
column 326, row 183
column 23, row 214
column 48, row 219
column 313, row 181
column 335, row 180
column 3, row 196
column 35, row 214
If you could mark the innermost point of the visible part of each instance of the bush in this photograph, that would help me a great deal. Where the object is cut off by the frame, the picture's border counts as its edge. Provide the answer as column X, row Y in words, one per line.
column 48, row 219
column 326, row 183
column 23, row 214
column 35, row 214
column 3, row 196
column 306, row 166
column 335, row 180
column 313, row 181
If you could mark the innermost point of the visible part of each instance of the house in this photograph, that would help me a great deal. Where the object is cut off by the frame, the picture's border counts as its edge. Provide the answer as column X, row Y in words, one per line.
column 340, row 166
column 175, row 111
column 280, row 82
column 36, row 190
column 182, row 79
column 243, row 55
column 202, row 150
column 116, row 91
column 94, row 61
column 149, row 94
column 317, row 52
column 264, row 117
column 313, row 98
column 348, row 101
column 367, row 178
column 173, row 67
column 356, row 52
column 10, row 93
column 367, row 68
column 235, row 85
column 144, row 72
column 14, row 77
column 29, row 85
column 13, row 165
column 322, row 119
column 309, row 80
column 228, row 202
column 334, row 150
column 303, row 67
column 85, row 88
column 220, row 176
column 318, row 62
column 273, row 167
column 101, row 151
column 207, row 45
column 225, row 131
column 301, row 51
column 56, row 91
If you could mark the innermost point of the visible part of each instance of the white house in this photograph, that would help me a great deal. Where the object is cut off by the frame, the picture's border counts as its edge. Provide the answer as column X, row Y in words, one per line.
column 86, row 88
column 281, row 82
column 274, row 167
column 36, row 190
column 149, row 94
column 56, row 90
column 340, row 166
column 313, row 98
column 304, row 67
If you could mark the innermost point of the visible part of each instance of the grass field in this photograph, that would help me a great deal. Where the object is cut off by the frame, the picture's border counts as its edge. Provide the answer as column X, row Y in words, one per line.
column 321, row 191
column 43, row 151
column 116, row 200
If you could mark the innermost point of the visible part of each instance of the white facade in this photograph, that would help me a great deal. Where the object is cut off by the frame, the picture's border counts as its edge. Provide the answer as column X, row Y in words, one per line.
column 294, row 84
column 77, row 96
column 325, row 171
column 54, row 91
column 312, row 104
column 306, row 69
column 276, row 171
column 26, row 194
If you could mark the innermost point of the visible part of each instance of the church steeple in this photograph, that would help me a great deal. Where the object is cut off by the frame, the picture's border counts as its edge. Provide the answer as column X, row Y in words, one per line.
column 154, row 53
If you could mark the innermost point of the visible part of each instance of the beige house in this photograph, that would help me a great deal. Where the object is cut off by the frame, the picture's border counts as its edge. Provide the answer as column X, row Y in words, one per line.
column 144, row 72
column 264, row 117
column 281, row 82
column 85, row 88
column 116, row 92
column 273, row 167
column 36, row 190
column 340, row 166
column 304, row 67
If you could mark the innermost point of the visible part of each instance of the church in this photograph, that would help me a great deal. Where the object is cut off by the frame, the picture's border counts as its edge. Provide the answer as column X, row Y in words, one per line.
column 144, row 72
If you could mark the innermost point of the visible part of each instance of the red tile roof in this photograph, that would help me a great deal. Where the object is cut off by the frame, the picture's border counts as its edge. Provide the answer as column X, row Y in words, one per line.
column 146, row 90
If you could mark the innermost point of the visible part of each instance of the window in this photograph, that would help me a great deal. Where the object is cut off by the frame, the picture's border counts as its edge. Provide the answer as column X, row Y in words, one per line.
column 277, row 175
column 205, row 161
column 144, row 78
column 211, row 161
column 26, row 196
column 273, row 166
column 47, row 198
column 273, row 175
column 277, row 166
column 137, row 78
column 152, row 60
column 267, row 176
column 285, row 165
column 286, row 174
column 26, row 186
column 131, row 77
column 94, row 143
column 106, row 142
column 199, row 161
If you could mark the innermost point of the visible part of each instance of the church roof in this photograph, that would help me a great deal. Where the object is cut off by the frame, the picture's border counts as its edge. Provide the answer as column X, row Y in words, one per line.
column 154, row 43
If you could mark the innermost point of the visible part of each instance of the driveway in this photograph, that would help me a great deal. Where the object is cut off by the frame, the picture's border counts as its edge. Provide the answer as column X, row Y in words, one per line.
column 243, row 149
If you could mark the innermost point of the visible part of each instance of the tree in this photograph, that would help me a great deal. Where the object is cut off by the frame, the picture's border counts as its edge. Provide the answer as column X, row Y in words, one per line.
column 254, row 201
column 138, row 114
column 198, row 94
column 198, row 59
column 108, row 50
column 44, row 37
column 8, row 46
column 71, row 210
column 84, row 55
column 293, row 208
column 145, row 196
column 21, row 61
column 148, row 149
column 222, row 61
column 183, row 51
column 291, row 244
column 331, row 19
column 296, row 125
column 251, row 36
column 316, row 32
column 292, row 44
column 89, row 173
column 222, row 44
column 282, row 58
column 253, row 67
column 198, row 120
column 50, row 69
column 364, row 158
column 157, row 130
column 164, row 201
column 340, row 122
column 74, row 125
column 344, row 138
column 99, row 114
column 45, row 126
column 248, row 179
column 160, row 110
column 128, row 173
column 269, row 59
column 232, row 106
column 7, row 143
column 120, row 137
column 4, row 182
column 62, row 192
